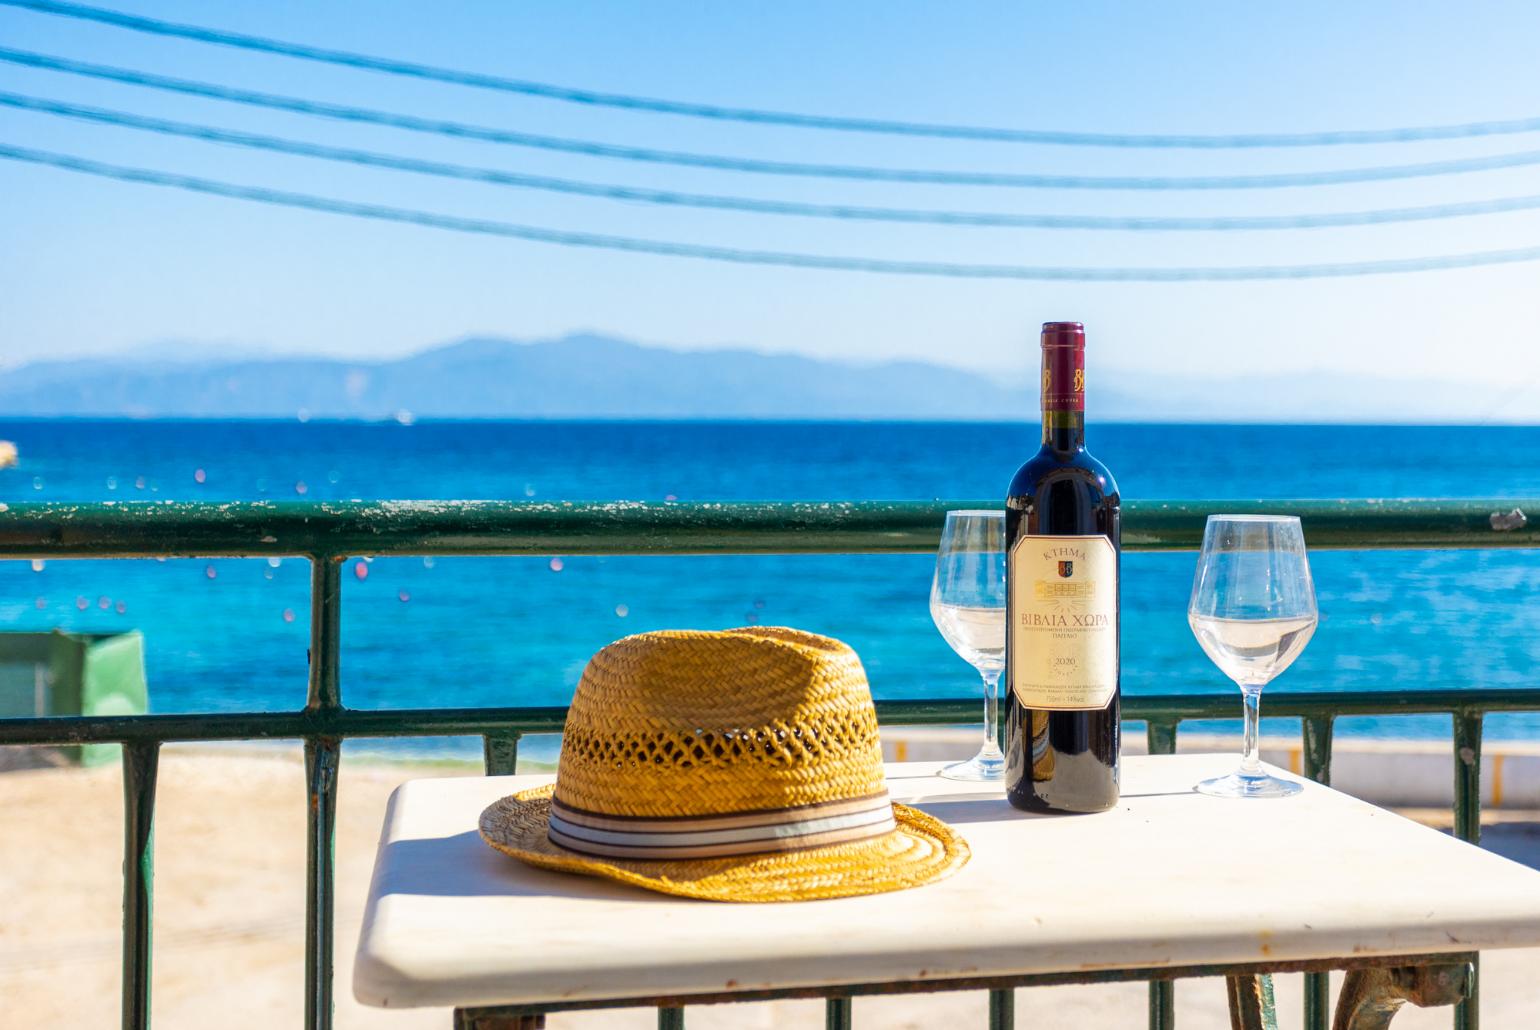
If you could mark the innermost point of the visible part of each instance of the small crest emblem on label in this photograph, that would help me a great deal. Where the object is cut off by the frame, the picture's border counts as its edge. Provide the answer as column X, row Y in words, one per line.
column 1066, row 569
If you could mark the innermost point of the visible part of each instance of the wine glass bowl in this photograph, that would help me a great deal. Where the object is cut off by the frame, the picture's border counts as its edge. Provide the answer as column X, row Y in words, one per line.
column 976, row 634
column 967, row 603
column 1252, row 650
column 1253, row 610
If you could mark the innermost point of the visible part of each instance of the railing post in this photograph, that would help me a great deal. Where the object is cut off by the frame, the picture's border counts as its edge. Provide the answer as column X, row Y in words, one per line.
column 1002, row 1003
column 1002, row 1009
column 1317, row 741
column 1161, row 737
column 322, row 757
column 325, row 687
column 836, row 1014
column 670, row 1019
column 1162, row 1004
column 1467, row 826
column 141, row 762
column 1467, row 776
column 500, row 751
column 1317, row 730
column 321, row 761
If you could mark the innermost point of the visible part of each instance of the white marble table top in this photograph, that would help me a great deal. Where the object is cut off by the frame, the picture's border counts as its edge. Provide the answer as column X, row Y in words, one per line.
column 1168, row 878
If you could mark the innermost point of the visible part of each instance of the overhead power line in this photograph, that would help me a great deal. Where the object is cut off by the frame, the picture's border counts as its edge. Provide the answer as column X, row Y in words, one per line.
column 758, row 257
column 755, row 205
column 625, row 101
column 462, row 130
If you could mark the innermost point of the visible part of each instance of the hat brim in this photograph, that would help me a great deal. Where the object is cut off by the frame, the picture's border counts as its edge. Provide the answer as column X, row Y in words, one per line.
column 921, row 850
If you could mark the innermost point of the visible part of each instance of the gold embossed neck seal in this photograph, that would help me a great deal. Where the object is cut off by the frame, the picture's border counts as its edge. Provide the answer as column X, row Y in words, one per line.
column 1063, row 367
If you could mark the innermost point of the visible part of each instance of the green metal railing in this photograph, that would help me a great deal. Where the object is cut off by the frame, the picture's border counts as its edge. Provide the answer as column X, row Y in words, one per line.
column 327, row 533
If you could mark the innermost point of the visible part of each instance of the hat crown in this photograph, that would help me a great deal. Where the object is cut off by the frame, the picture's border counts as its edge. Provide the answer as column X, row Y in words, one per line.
column 679, row 723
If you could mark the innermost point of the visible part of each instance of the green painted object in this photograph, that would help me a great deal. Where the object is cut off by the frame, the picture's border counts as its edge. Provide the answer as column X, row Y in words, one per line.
column 73, row 674
column 341, row 528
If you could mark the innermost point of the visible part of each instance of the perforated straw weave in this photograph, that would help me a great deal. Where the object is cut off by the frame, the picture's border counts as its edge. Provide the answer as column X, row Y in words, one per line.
column 736, row 766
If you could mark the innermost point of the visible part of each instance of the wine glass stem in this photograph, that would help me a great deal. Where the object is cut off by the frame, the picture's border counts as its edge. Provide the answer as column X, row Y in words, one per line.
column 1250, row 763
column 991, row 711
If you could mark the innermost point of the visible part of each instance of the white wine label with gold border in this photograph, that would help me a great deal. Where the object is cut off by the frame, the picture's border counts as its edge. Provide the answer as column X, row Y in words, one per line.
column 1063, row 643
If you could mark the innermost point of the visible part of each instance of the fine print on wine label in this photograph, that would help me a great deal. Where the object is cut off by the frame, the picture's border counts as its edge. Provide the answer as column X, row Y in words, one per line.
column 1064, row 596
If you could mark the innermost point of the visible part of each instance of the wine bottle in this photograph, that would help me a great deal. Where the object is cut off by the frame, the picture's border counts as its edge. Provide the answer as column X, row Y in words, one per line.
column 1062, row 539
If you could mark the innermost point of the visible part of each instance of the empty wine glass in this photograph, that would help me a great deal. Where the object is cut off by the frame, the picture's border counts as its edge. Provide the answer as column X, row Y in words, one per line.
column 1253, row 610
column 967, row 601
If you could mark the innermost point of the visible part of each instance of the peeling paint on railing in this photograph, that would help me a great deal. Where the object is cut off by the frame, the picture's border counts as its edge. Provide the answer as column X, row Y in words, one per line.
column 336, row 528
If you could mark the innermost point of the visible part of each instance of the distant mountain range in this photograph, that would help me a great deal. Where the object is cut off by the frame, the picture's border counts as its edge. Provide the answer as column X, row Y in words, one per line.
column 595, row 376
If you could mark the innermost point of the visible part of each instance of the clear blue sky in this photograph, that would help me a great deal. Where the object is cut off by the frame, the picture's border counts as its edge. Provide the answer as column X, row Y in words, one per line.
column 98, row 267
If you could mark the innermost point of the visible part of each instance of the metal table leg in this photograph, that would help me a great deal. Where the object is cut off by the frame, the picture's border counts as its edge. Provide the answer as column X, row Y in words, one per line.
column 1251, row 1002
column 468, row 1019
column 1371, row 998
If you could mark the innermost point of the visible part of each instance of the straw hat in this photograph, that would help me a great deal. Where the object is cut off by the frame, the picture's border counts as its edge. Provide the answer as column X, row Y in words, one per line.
column 734, row 766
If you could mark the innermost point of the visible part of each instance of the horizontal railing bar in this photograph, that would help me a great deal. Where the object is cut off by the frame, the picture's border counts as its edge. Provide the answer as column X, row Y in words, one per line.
column 336, row 722
column 453, row 722
column 1283, row 704
column 1300, row 704
column 337, row 528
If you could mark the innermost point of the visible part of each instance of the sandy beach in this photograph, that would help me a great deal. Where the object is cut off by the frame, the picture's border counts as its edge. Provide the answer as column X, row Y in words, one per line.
column 229, row 917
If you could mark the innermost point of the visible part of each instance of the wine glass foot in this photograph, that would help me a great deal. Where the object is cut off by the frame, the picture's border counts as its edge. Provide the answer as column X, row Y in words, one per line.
column 1237, row 785
column 985, row 765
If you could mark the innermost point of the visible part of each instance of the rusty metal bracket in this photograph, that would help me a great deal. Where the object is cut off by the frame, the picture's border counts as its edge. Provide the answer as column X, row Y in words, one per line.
column 1251, row 1002
column 1371, row 998
column 469, row 1019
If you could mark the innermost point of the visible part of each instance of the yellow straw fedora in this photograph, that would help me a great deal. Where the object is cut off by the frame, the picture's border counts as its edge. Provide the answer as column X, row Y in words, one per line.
column 734, row 766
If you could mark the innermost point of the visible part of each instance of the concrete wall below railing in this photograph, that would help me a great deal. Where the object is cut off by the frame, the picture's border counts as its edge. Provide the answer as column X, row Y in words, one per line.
column 1406, row 773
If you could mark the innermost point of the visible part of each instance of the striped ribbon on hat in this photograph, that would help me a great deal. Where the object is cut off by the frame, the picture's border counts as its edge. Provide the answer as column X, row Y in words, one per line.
column 764, row 831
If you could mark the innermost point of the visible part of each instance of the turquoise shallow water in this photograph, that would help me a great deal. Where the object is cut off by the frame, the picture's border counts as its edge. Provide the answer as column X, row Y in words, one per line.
column 475, row 631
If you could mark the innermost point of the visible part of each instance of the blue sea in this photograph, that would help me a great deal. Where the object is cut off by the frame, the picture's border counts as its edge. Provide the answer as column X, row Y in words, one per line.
column 230, row 634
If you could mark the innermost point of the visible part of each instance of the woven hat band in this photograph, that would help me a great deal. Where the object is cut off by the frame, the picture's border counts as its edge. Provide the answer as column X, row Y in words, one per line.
column 717, row 836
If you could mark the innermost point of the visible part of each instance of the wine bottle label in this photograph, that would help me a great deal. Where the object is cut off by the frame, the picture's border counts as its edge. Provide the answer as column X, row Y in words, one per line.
column 1063, row 643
